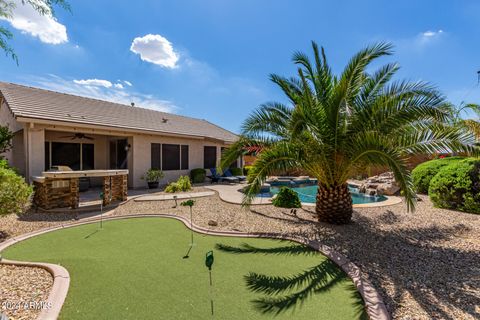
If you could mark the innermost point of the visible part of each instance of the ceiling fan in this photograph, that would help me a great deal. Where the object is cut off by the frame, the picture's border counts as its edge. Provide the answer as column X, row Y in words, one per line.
column 78, row 136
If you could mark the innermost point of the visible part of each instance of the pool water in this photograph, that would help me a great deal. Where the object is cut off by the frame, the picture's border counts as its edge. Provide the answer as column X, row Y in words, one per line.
column 308, row 194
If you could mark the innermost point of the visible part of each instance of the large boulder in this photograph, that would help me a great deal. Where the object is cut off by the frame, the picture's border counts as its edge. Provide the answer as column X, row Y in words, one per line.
column 382, row 184
column 388, row 189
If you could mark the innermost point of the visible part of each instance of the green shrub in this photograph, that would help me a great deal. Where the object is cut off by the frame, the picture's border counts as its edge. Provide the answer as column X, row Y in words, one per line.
column 4, row 164
column 236, row 171
column 246, row 169
column 153, row 175
column 424, row 172
column 198, row 175
column 457, row 186
column 286, row 198
column 15, row 193
column 182, row 184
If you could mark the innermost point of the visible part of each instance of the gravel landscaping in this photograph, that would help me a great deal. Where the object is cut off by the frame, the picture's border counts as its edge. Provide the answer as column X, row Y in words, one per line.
column 21, row 286
column 425, row 264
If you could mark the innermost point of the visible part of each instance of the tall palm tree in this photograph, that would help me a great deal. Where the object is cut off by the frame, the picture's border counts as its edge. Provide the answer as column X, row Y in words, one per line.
column 333, row 125
column 472, row 125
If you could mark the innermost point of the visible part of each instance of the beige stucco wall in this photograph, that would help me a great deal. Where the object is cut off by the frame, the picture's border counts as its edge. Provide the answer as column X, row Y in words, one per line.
column 16, row 155
column 18, row 159
column 141, row 156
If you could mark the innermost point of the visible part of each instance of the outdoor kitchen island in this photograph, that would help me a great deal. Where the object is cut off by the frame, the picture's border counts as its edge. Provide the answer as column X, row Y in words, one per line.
column 60, row 189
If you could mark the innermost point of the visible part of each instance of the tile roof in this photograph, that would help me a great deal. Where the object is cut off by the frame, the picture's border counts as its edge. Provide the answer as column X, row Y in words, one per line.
column 43, row 104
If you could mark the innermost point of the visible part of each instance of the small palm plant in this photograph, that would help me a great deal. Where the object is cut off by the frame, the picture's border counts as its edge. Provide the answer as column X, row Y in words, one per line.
column 334, row 125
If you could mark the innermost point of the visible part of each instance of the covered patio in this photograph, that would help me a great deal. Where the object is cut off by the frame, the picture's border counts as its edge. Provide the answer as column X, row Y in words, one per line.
column 60, row 189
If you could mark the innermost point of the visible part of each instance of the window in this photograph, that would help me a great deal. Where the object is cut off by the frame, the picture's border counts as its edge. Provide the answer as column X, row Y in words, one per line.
column 47, row 155
column 155, row 156
column 234, row 164
column 88, row 159
column 185, row 165
column 77, row 156
column 66, row 154
column 209, row 157
column 170, row 157
column 118, row 154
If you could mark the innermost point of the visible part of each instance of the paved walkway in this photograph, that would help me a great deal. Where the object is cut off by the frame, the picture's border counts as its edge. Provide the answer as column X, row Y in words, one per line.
column 162, row 197
column 233, row 194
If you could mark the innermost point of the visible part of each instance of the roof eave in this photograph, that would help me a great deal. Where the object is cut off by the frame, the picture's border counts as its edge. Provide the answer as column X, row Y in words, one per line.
column 26, row 119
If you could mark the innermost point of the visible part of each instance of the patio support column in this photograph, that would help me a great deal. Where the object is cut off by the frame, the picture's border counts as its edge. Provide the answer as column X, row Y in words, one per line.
column 106, row 190
column 124, row 187
column 74, row 193
column 35, row 150
column 119, row 187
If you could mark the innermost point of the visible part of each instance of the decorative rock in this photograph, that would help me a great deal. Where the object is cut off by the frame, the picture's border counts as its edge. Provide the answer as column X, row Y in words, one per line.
column 212, row 223
column 382, row 184
column 388, row 189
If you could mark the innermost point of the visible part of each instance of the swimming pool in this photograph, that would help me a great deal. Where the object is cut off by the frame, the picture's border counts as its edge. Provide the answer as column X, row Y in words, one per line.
column 308, row 193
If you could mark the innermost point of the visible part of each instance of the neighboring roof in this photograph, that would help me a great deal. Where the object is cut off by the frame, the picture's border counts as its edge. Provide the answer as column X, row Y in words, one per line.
column 43, row 104
column 253, row 149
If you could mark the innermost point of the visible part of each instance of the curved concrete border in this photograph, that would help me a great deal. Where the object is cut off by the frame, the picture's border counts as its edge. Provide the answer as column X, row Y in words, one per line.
column 61, row 283
column 374, row 304
column 233, row 195
column 178, row 196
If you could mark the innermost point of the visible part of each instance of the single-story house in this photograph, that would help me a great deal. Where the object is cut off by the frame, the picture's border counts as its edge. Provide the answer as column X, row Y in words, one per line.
column 53, row 128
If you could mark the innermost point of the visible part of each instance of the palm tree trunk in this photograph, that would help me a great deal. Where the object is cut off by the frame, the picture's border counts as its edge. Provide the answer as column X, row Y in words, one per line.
column 334, row 204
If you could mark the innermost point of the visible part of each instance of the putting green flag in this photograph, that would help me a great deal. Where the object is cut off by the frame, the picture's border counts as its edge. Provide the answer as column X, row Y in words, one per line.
column 209, row 260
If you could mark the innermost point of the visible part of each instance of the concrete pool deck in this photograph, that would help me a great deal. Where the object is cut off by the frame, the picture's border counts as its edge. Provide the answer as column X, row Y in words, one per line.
column 233, row 194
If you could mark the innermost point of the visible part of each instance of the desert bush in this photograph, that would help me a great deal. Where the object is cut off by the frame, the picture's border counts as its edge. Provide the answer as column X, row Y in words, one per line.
column 198, row 175
column 15, row 193
column 246, row 169
column 153, row 175
column 286, row 198
column 457, row 186
column 182, row 184
column 236, row 171
column 424, row 172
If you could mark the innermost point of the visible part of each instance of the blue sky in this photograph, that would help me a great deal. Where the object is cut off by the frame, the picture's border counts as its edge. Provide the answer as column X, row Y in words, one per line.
column 211, row 59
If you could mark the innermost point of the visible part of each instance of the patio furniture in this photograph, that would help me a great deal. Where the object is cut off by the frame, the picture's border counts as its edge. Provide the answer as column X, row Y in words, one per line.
column 228, row 173
column 220, row 178
column 214, row 177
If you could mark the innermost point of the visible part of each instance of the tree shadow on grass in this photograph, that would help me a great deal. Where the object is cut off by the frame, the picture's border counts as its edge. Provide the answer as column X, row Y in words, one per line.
column 286, row 293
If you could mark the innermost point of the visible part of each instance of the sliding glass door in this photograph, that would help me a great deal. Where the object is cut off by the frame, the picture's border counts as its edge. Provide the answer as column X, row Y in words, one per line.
column 77, row 156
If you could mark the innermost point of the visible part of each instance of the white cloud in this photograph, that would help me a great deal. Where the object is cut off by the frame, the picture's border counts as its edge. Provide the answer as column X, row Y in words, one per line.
column 149, row 101
column 430, row 34
column 94, row 82
column 118, row 85
column 155, row 49
column 428, row 37
column 45, row 27
column 128, row 83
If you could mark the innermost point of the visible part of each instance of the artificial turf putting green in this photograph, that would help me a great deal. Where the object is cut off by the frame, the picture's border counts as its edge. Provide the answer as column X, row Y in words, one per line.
column 134, row 269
